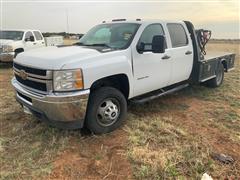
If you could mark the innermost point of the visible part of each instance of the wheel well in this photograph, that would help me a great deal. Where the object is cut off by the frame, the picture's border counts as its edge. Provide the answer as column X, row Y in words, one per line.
column 224, row 65
column 119, row 81
column 19, row 50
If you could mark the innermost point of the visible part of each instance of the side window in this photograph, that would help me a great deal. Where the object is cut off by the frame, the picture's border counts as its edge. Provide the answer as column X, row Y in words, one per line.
column 148, row 33
column 37, row 35
column 28, row 35
column 177, row 34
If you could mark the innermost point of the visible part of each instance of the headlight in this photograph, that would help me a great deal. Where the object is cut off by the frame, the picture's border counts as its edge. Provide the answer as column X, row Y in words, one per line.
column 7, row 48
column 67, row 80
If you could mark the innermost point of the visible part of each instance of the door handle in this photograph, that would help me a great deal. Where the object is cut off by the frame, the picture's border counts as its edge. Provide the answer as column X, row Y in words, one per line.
column 34, row 43
column 166, row 57
column 188, row 52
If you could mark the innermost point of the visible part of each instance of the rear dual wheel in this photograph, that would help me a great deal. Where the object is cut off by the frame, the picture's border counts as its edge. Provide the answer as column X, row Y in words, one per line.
column 218, row 80
column 107, row 109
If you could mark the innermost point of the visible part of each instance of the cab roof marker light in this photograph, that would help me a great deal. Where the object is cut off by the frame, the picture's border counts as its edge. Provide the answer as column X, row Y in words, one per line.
column 114, row 20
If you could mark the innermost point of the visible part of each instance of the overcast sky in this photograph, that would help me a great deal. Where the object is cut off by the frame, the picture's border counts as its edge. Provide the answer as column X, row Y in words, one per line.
column 222, row 16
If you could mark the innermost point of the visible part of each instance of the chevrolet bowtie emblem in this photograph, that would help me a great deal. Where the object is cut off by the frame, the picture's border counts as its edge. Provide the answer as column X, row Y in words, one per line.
column 23, row 74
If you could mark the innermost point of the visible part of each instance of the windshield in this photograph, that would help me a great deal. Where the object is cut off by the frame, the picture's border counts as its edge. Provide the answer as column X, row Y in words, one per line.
column 116, row 35
column 12, row 35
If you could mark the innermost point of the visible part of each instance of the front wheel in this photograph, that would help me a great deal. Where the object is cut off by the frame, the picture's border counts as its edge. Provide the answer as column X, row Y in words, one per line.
column 217, row 81
column 107, row 109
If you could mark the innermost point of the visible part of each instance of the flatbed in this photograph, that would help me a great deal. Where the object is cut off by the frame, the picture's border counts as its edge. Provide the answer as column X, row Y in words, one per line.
column 211, row 61
column 216, row 54
column 207, row 64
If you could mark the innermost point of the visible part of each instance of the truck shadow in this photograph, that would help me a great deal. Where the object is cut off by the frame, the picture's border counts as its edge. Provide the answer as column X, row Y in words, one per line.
column 6, row 65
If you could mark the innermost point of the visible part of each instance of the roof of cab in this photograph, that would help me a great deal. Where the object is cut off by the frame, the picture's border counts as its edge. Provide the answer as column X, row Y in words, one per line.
column 20, row 30
column 140, row 21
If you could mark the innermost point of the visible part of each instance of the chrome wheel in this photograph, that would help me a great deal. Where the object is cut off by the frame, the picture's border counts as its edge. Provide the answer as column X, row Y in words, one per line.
column 108, row 112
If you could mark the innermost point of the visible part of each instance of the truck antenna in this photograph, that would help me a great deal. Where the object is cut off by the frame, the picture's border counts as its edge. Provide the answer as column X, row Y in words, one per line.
column 67, row 21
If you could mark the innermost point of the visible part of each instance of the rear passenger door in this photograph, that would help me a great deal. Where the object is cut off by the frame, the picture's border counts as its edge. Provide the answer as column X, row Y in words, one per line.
column 181, row 51
column 39, row 39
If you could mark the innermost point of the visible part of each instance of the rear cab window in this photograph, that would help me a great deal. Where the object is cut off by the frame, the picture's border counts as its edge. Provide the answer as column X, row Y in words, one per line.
column 178, row 35
column 28, row 35
column 37, row 35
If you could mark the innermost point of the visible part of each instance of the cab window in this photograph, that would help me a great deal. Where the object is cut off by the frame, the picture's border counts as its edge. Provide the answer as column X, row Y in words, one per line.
column 148, row 33
column 37, row 35
column 177, row 34
column 28, row 35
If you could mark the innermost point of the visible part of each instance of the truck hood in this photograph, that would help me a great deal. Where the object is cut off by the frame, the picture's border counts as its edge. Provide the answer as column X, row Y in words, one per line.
column 7, row 42
column 53, row 58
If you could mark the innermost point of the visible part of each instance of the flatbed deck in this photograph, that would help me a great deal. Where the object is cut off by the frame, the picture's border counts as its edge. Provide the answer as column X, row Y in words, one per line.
column 212, row 60
column 215, row 54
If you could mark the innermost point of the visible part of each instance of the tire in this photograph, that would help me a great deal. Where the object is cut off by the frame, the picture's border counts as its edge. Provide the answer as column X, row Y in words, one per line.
column 218, row 80
column 107, row 109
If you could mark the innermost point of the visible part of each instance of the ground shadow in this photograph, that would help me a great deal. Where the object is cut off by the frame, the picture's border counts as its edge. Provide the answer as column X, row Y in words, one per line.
column 6, row 65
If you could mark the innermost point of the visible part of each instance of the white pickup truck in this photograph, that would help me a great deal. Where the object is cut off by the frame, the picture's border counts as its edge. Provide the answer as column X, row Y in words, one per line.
column 89, row 83
column 13, row 42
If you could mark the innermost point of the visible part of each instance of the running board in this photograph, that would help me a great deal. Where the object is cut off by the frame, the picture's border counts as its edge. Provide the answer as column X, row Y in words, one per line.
column 159, row 93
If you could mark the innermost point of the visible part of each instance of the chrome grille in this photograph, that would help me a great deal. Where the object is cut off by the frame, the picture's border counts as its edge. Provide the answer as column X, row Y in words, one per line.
column 35, row 79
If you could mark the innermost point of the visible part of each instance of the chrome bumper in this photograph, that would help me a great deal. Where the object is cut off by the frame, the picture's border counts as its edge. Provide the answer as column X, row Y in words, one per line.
column 7, row 57
column 64, row 110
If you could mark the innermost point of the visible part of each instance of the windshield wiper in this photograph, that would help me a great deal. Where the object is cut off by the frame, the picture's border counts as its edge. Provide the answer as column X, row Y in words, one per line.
column 79, row 44
column 100, row 44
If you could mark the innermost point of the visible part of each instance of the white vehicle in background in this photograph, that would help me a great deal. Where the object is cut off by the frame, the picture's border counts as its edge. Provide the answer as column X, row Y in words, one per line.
column 13, row 42
column 54, row 40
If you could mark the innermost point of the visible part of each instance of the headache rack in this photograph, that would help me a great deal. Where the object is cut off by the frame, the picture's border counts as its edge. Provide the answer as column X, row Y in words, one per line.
column 203, row 36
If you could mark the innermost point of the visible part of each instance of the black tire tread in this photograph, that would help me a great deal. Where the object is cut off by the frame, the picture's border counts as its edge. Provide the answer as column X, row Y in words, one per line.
column 213, row 82
column 95, row 98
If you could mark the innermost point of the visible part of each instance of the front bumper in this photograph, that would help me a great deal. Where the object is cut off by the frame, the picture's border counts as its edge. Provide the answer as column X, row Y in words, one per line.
column 7, row 57
column 63, row 110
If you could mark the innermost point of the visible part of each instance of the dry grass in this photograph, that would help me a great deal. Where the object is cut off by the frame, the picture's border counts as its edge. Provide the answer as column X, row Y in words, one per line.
column 27, row 147
column 70, row 41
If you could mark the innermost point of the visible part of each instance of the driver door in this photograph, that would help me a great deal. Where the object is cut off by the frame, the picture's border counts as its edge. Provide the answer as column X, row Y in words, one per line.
column 152, row 71
column 28, row 44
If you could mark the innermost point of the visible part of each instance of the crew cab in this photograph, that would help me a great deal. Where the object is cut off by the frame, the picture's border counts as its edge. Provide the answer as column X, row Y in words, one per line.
column 91, row 82
column 13, row 42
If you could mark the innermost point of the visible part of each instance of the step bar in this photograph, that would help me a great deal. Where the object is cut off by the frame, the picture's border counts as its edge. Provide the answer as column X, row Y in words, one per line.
column 162, row 92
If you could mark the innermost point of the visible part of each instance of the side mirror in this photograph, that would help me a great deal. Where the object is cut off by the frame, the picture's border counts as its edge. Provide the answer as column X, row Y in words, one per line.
column 158, row 44
column 140, row 47
column 31, row 38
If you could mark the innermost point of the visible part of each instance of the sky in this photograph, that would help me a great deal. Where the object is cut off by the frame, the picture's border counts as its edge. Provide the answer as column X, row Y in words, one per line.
column 220, row 16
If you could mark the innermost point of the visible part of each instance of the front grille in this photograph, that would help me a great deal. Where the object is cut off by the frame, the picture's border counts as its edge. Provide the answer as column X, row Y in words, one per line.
column 24, row 97
column 30, row 70
column 32, row 84
column 36, row 79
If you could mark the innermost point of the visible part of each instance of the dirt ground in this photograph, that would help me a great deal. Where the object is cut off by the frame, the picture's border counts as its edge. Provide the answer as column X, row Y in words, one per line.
column 173, row 137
